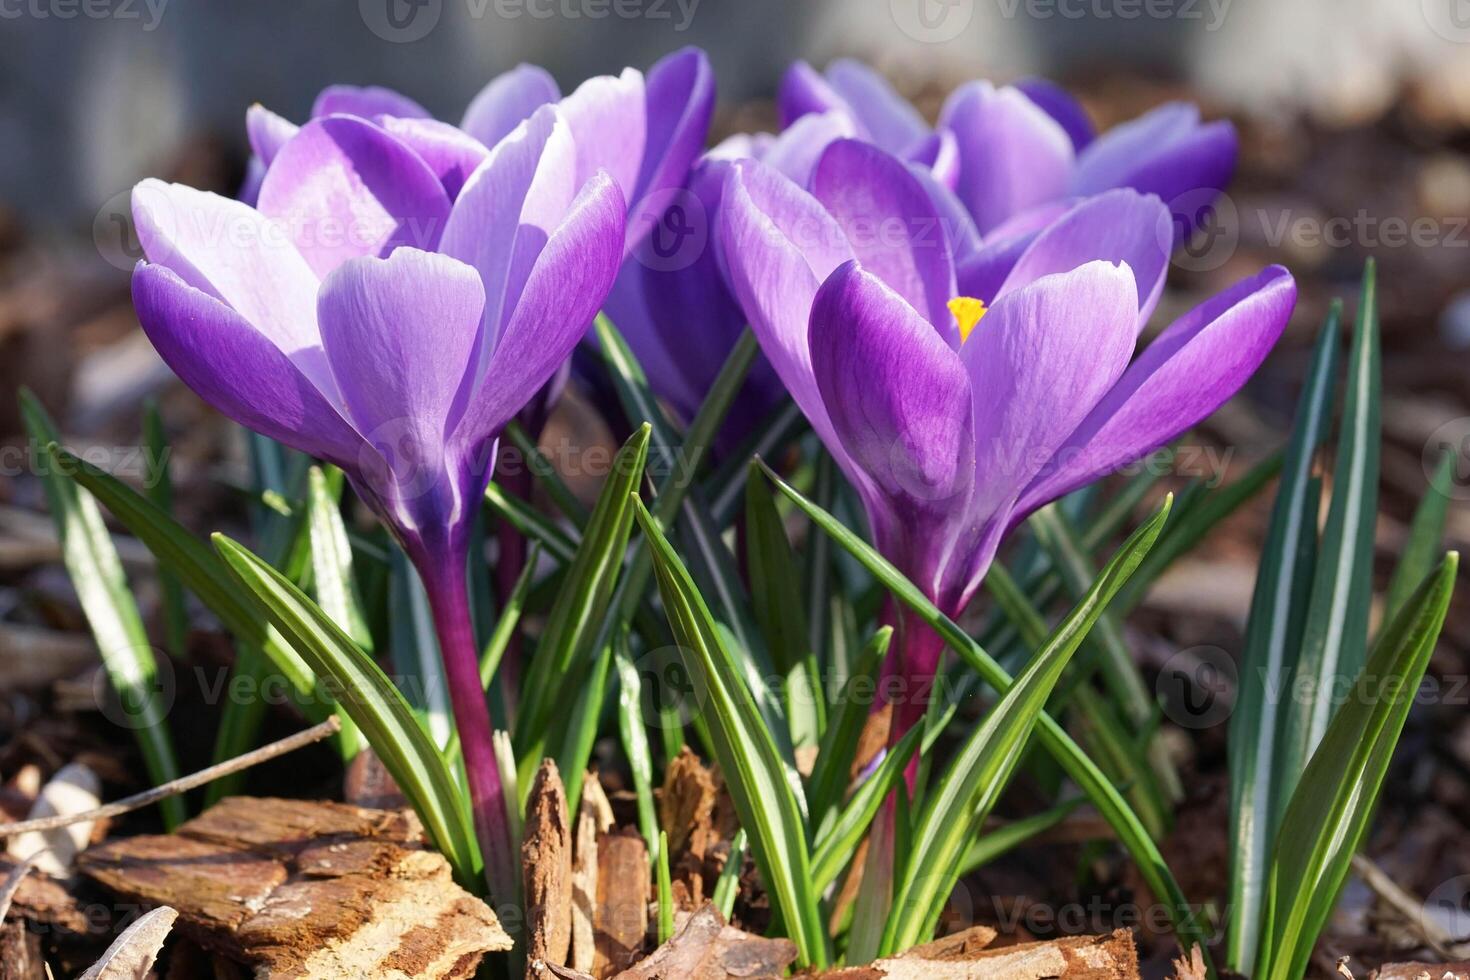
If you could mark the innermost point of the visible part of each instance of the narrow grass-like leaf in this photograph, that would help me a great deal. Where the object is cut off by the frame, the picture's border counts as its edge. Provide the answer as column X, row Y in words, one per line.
column 1093, row 783
column 370, row 698
column 991, row 844
column 974, row 780
column 112, row 614
column 833, row 849
column 753, row 768
column 1335, row 640
column 541, row 468
column 773, row 573
column 665, row 891
column 572, row 747
column 727, row 886
column 577, row 615
column 332, row 581
column 1334, row 800
column 159, row 486
column 510, row 618
column 1426, row 531
column 839, row 744
column 531, row 522
column 635, row 741
column 1273, row 637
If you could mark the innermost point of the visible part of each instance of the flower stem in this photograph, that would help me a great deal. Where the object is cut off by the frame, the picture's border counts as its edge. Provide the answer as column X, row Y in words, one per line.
column 449, row 602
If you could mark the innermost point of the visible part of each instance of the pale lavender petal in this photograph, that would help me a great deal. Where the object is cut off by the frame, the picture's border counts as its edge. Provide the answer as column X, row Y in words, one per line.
column 890, row 120
column 399, row 333
column 803, row 90
column 940, row 153
column 608, row 116
column 366, row 101
column 981, row 273
column 779, row 246
column 897, row 395
column 1013, row 156
column 236, row 368
column 1193, row 368
column 1061, row 106
column 1118, row 226
column 1039, row 361
column 959, row 227
column 893, row 227
column 508, row 211
column 451, row 153
column 343, row 187
column 1165, row 152
column 562, row 294
column 235, row 254
column 741, row 146
column 796, row 151
column 506, row 101
column 267, row 132
column 680, row 99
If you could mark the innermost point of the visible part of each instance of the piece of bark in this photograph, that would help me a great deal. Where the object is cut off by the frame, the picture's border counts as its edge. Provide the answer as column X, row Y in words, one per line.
column 620, row 919
column 686, row 805
column 546, row 865
column 301, row 889
column 959, row 946
column 1193, row 966
column 369, row 784
column 20, row 953
column 706, row 948
column 1069, row 958
column 584, row 873
column 595, row 802
column 1423, row 971
column 45, row 901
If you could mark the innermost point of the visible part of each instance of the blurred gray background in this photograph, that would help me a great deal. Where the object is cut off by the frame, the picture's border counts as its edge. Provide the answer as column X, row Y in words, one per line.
column 95, row 94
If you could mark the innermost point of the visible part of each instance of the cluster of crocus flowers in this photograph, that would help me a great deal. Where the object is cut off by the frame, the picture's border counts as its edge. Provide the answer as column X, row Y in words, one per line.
column 961, row 386
column 391, row 290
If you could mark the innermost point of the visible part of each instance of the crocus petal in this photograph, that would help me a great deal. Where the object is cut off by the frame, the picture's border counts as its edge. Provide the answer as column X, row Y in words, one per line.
column 740, row 146
column 267, row 132
column 608, row 117
column 509, row 209
column 1118, row 226
column 238, row 256
column 897, row 395
column 366, row 101
column 1165, row 152
column 236, row 368
column 779, row 245
column 1013, row 156
column 803, row 90
column 565, row 288
column 1189, row 371
column 891, row 223
column 890, row 120
column 509, row 98
column 451, row 153
column 983, row 271
column 940, row 153
column 1040, row 360
column 343, row 187
column 796, row 151
column 680, row 99
column 959, row 228
column 1058, row 103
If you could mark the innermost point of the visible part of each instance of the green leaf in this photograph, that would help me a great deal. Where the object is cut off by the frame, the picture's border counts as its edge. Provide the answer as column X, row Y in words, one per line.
column 540, row 467
column 370, row 698
column 510, row 617
column 531, row 523
column 112, row 614
column 332, row 580
column 1335, row 640
column 573, row 745
column 956, row 808
column 772, row 571
column 1426, row 531
column 160, row 488
column 765, row 798
column 839, row 744
column 727, row 886
column 665, row 891
column 1333, row 803
column 834, row 848
column 635, row 742
column 1104, row 796
column 994, row 843
column 1273, row 638
column 578, row 615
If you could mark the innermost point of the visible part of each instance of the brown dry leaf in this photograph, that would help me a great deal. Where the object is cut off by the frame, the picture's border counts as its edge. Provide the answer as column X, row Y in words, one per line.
column 74, row 789
column 705, row 948
column 132, row 954
column 546, row 866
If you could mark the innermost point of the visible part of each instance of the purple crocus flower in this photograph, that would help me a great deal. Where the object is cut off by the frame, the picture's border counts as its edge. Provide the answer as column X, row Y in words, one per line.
column 361, row 316
column 961, row 387
column 1006, row 151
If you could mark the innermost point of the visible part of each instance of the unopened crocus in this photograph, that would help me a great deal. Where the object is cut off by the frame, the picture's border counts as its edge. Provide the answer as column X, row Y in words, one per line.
column 360, row 316
column 960, row 392
column 1008, row 151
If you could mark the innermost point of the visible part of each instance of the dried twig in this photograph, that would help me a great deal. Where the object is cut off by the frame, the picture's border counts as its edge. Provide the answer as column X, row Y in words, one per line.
column 183, row 784
column 1435, row 936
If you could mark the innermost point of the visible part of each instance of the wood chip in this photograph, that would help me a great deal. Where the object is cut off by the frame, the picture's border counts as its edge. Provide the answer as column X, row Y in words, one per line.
column 1193, row 967
column 546, row 864
column 594, row 816
column 686, row 805
column 620, row 920
column 705, row 948
column 20, row 953
column 1069, row 958
column 304, row 890
column 1423, row 971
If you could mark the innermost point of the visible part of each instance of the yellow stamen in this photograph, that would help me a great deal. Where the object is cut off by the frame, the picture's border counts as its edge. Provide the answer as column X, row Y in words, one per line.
column 967, row 312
